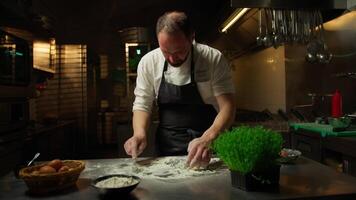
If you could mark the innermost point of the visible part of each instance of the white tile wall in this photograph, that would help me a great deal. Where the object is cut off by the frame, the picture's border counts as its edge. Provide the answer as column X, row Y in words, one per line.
column 260, row 80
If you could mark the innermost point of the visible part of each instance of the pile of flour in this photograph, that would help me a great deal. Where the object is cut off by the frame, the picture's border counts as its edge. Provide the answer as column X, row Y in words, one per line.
column 171, row 168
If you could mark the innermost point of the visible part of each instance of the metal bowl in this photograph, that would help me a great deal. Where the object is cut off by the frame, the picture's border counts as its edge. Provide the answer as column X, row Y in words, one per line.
column 120, row 189
column 289, row 155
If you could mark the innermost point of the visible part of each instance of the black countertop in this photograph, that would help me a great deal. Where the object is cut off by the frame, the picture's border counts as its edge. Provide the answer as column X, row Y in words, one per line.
column 306, row 179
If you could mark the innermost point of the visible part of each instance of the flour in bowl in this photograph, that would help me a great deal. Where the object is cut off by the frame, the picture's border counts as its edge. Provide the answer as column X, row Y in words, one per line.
column 116, row 182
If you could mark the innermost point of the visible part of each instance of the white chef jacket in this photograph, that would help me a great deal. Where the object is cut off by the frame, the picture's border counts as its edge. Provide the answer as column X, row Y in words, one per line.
column 212, row 75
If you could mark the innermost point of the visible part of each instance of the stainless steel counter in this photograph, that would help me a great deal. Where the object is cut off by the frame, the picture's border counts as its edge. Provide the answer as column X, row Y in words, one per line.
column 305, row 179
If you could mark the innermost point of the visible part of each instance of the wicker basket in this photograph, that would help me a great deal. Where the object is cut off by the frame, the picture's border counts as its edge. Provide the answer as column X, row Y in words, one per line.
column 45, row 183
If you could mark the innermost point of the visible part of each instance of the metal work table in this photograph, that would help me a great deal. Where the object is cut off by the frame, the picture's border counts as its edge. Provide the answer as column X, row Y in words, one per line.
column 306, row 179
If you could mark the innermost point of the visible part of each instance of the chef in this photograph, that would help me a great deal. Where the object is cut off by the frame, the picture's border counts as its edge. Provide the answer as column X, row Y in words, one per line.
column 192, row 86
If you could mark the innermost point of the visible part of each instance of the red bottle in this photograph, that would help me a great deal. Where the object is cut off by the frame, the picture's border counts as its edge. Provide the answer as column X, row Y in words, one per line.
column 336, row 105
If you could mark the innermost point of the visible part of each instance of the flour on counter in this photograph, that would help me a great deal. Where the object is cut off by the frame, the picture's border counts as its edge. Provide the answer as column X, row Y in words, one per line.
column 160, row 168
column 172, row 168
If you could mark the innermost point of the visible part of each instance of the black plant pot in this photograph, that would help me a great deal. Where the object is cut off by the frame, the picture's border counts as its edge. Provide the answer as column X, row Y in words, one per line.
column 267, row 180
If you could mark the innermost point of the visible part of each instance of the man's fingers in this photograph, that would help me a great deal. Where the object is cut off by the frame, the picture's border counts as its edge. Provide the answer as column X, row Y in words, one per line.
column 191, row 155
column 133, row 149
column 189, row 147
column 140, row 148
column 134, row 153
column 135, row 146
column 205, row 154
column 206, row 158
column 197, row 158
column 127, row 147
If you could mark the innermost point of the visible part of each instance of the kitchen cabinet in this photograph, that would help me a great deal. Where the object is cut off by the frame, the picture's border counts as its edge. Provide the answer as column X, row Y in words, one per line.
column 345, row 148
column 44, row 55
column 308, row 143
column 342, row 150
column 349, row 165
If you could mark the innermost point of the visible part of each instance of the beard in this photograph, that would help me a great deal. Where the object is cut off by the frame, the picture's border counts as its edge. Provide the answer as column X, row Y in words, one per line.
column 179, row 62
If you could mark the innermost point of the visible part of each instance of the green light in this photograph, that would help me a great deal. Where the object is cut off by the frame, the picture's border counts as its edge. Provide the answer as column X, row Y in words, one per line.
column 19, row 54
column 13, row 53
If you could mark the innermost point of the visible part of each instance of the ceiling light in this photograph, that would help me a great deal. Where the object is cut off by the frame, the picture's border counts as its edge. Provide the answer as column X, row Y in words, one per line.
column 236, row 15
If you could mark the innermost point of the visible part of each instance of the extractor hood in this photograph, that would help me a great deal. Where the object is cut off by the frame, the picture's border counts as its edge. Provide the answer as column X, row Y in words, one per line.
column 242, row 36
column 294, row 4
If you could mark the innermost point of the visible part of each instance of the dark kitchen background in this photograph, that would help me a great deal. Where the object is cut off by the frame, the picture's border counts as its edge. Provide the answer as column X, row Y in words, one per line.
column 68, row 72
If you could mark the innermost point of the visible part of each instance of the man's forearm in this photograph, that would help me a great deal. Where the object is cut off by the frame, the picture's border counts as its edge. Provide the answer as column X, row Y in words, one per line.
column 224, row 118
column 140, row 122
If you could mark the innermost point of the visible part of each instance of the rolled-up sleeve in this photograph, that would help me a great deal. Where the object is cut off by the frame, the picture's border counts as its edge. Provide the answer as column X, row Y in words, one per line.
column 222, row 82
column 144, row 91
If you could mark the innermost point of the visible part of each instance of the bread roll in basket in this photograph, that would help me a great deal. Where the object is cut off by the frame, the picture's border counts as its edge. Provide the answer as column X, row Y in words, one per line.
column 40, row 183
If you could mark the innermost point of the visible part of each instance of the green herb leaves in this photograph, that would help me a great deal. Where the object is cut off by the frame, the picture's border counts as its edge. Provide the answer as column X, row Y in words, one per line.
column 248, row 149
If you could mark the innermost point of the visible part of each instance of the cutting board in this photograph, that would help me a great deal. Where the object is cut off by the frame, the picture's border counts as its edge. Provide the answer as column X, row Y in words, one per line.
column 323, row 129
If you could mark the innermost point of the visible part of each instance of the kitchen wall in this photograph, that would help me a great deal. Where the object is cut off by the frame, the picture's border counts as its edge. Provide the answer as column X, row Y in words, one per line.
column 281, row 78
column 65, row 94
column 260, row 80
column 303, row 78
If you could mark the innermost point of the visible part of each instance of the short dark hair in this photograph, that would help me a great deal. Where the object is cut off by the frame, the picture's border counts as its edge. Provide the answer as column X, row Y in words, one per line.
column 173, row 22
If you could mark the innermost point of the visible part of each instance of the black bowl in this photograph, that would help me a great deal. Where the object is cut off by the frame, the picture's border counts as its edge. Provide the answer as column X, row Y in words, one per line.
column 116, row 190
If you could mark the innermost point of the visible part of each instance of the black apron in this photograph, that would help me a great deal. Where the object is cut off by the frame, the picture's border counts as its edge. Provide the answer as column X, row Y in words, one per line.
column 183, row 115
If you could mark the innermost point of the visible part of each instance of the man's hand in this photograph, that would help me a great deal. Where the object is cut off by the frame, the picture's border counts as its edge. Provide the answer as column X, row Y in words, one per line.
column 198, row 153
column 198, row 149
column 134, row 146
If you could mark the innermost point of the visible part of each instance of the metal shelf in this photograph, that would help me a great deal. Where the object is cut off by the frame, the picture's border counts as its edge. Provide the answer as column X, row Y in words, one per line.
column 291, row 4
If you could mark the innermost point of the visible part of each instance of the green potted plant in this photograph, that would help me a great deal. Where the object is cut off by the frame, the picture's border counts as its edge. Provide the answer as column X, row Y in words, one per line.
column 251, row 154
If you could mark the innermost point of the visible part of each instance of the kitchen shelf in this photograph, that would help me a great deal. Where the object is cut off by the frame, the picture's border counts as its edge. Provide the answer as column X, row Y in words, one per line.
column 291, row 4
column 131, row 74
column 45, row 69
